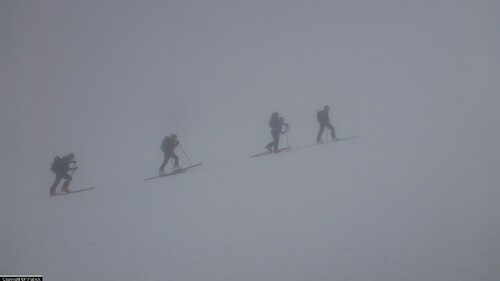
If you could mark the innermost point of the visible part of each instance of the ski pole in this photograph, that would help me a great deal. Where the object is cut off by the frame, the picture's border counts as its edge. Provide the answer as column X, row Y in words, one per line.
column 73, row 171
column 185, row 155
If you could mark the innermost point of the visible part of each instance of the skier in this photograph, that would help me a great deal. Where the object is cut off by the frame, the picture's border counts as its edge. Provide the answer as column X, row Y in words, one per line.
column 324, row 121
column 61, row 166
column 276, row 123
column 168, row 146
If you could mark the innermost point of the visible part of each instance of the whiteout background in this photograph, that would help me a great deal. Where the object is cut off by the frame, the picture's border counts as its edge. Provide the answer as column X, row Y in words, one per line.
column 415, row 197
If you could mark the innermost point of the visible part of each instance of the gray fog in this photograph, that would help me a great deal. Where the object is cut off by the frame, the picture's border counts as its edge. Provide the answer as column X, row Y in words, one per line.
column 107, row 80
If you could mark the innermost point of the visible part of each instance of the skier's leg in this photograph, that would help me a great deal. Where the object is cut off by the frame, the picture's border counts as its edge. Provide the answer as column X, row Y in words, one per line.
column 269, row 145
column 320, row 133
column 276, row 141
column 55, row 184
column 176, row 160
column 166, row 156
column 68, row 179
column 332, row 130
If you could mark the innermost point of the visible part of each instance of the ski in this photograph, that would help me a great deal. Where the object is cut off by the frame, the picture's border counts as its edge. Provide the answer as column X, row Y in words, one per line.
column 341, row 139
column 271, row 152
column 320, row 143
column 73, row 191
column 181, row 170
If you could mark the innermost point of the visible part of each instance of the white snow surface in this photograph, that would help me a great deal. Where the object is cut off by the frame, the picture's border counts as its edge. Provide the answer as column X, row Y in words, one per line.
column 415, row 197
column 339, row 211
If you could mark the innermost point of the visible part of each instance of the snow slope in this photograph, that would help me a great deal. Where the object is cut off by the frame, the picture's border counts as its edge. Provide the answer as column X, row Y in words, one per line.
column 309, row 214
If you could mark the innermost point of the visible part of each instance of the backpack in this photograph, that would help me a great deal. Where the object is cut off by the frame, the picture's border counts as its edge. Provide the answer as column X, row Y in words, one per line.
column 322, row 116
column 164, row 144
column 273, row 122
column 56, row 164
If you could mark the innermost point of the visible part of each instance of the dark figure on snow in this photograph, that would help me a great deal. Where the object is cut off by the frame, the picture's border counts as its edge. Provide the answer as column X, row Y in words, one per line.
column 324, row 121
column 168, row 146
column 276, row 123
column 61, row 166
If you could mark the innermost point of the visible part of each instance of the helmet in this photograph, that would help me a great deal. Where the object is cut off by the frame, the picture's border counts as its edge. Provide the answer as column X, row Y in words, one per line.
column 174, row 136
column 71, row 156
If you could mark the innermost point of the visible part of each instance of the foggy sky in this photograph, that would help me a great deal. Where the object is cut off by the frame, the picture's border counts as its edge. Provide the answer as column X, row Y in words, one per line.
column 107, row 80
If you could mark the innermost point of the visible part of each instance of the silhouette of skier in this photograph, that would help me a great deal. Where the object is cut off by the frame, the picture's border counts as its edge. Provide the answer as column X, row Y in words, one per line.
column 276, row 123
column 168, row 146
column 324, row 121
column 61, row 166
